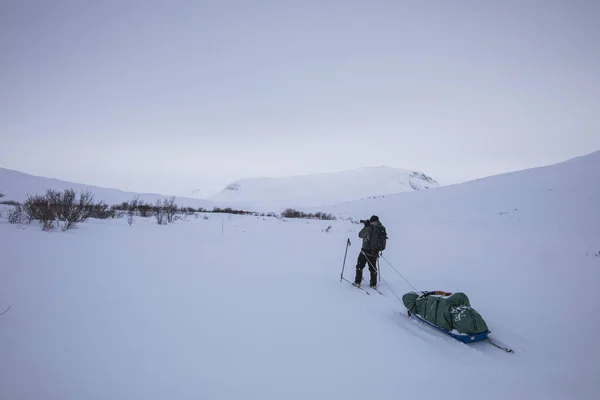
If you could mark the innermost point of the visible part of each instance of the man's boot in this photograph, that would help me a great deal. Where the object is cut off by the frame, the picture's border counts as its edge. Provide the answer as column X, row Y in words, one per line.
column 373, row 283
column 358, row 278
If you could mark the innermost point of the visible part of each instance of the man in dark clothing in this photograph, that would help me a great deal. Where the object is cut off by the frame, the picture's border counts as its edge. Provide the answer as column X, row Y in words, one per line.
column 367, row 255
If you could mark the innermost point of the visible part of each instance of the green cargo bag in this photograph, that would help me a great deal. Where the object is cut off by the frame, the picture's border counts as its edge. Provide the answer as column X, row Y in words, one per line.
column 452, row 312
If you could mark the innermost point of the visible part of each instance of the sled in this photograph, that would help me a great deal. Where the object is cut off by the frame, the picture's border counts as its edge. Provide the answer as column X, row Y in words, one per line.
column 458, row 336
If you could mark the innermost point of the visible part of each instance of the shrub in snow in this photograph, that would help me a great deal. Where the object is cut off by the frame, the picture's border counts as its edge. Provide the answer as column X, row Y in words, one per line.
column 170, row 209
column 65, row 208
column 159, row 213
column 131, row 209
column 166, row 211
column 230, row 210
column 16, row 215
column 145, row 210
column 291, row 213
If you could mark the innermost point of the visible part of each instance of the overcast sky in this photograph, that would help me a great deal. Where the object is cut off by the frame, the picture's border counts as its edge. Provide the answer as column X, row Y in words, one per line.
column 171, row 96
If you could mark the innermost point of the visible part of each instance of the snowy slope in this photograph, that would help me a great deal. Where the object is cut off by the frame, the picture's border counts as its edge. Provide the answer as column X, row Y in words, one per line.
column 17, row 186
column 321, row 189
column 561, row 198
column 253, row 308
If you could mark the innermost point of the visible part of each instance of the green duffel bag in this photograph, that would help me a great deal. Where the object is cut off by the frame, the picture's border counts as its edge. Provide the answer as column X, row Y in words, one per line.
column 451, row 312
column 468, row 321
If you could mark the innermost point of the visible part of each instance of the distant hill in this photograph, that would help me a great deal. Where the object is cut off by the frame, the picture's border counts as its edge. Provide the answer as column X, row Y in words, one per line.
column 17, row 186
column 322, row 189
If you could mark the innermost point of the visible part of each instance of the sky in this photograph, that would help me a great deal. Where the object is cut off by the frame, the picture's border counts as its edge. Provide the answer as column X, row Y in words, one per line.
column 173, row 96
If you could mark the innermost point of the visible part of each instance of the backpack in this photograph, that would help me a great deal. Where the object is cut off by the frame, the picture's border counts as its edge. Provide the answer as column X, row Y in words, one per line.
column 378, row 239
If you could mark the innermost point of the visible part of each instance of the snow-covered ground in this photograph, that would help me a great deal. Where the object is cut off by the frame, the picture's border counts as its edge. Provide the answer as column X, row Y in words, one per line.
column 243, row 307
column 276, row 194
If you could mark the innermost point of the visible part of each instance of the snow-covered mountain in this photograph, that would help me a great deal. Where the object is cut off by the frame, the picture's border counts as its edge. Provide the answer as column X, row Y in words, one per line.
column 195, row 310
column 17, row 186
column 322, row 189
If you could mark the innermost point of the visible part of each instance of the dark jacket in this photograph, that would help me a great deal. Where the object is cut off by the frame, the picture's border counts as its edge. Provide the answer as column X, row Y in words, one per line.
column 365, row 235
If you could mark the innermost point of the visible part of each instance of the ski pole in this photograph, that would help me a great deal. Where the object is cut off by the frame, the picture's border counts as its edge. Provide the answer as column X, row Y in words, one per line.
column 345, row 254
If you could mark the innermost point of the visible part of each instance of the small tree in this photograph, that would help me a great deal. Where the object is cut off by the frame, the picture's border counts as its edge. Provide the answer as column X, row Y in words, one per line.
column 131, row 208
column 159, row 213
column 170, row 209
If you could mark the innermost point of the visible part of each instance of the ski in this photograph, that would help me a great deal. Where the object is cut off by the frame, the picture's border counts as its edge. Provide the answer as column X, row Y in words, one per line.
column 363, row 289
column 358, row 287
column 377, row 290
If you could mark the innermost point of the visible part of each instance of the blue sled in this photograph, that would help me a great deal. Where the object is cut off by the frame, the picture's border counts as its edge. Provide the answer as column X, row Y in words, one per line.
column 461, row 337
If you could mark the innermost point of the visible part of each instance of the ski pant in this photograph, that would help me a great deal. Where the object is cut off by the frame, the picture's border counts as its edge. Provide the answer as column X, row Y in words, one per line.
column 361, row 263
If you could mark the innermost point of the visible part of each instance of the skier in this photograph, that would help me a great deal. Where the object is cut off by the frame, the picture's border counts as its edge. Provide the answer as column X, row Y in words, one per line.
column 374, row 237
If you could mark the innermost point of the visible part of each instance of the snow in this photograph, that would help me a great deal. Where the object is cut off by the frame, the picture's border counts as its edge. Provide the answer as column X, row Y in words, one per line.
column 315, row 190
column 244, row 307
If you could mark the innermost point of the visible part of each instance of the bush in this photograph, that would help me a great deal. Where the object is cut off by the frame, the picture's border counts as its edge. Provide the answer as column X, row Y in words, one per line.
column 100, row 211
column 159, row 213
column 38, row 208
column 230, row 210
column 16, row 215
column 131, row 209
column 170, row 209
column 165, row 211
column 187, row 210
column 145, row 210
column 291, row 213
column 64, row 207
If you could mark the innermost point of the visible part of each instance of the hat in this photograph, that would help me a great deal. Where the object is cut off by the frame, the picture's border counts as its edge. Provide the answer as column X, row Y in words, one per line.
column 374, row 218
